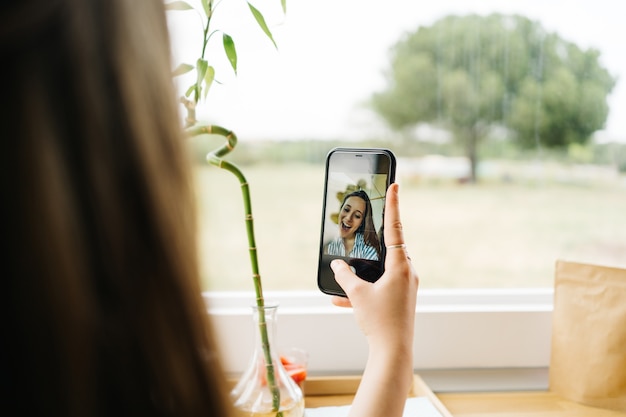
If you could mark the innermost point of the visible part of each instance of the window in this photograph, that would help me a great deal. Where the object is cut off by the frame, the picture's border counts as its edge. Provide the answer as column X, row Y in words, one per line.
column 289, row 106
column 485, row 252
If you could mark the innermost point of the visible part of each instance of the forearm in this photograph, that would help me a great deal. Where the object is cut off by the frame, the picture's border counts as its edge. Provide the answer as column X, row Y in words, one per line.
column 385, row 384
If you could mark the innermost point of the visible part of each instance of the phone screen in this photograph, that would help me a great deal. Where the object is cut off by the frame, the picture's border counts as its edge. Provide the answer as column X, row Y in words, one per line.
column 352, row 216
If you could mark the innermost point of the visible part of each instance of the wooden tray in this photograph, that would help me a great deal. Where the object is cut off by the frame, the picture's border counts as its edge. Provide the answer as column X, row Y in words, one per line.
column 339, row 390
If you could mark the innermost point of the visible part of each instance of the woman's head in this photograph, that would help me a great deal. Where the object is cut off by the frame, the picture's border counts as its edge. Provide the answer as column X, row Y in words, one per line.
column 105, row 306
column 354, row 209
column 355, row 216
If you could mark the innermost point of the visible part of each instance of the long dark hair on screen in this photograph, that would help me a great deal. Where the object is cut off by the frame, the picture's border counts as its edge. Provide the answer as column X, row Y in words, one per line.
column 102, row 310
column 367, row 228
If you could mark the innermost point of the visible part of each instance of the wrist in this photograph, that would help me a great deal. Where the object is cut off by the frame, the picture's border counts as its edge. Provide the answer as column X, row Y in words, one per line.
column 392, row 346
column 394, row 361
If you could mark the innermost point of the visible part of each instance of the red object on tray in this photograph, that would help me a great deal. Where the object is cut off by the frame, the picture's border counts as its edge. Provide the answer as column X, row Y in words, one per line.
column 296, row 371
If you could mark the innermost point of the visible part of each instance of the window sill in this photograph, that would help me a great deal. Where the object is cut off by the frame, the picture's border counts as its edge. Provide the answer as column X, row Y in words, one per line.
column 503, row 333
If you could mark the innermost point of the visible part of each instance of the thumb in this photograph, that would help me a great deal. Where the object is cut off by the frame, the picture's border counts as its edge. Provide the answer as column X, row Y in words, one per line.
column 344, row 276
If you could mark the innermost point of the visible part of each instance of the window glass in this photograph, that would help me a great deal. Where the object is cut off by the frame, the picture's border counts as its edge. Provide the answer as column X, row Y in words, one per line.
column 526, row 102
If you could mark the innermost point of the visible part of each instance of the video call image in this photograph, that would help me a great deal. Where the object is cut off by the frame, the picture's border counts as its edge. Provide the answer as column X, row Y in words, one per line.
column 353, row 216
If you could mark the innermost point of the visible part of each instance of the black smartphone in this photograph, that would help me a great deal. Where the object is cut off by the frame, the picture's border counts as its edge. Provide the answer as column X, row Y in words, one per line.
column 355, row 185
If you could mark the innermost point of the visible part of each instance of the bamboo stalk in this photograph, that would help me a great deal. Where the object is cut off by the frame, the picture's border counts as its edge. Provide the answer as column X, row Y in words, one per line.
column 215, row 158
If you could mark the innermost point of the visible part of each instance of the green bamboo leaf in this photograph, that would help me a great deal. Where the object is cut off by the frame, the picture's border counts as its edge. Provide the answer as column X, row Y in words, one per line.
column 190, row 90
column 261, row 21
column 284, row 4
column 182, row 69
column 206, row 5
column 201, row 67
column 231, row 51
column 178, row 5
column 208, row 80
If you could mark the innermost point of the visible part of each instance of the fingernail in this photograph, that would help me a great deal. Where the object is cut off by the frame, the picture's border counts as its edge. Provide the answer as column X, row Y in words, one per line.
column 334, row 264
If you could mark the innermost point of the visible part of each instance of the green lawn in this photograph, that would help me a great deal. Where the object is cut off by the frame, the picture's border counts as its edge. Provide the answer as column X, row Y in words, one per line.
column 488, row 235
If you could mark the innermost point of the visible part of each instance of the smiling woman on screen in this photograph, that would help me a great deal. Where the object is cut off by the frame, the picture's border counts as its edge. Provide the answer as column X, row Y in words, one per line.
column 357, row 234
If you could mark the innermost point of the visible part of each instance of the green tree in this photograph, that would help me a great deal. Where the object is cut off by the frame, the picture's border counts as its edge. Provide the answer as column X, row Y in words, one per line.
column 468, row 74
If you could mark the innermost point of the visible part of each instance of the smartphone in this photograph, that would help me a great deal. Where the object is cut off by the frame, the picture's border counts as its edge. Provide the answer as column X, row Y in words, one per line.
column 355, row 186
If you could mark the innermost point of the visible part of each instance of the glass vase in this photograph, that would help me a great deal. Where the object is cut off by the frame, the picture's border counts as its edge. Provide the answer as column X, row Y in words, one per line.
column 265, row 388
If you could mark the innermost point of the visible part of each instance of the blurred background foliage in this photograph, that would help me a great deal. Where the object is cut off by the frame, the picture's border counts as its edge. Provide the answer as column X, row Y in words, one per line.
column 472, row 74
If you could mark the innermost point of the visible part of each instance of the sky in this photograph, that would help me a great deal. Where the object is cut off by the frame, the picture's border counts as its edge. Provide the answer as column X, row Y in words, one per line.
column 331, row 55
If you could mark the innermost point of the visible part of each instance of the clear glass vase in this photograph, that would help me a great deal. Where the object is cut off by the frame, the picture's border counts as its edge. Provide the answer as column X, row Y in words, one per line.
column 265, row 388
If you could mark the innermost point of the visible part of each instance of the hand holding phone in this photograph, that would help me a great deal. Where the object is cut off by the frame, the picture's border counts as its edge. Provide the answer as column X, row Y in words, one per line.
column 385, row 313
column 356, row 181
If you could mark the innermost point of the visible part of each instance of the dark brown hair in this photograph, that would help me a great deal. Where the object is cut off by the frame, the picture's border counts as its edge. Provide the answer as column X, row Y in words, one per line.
column 102, row 313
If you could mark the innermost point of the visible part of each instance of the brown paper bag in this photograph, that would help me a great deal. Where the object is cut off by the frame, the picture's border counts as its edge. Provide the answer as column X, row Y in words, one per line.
column 588, row 354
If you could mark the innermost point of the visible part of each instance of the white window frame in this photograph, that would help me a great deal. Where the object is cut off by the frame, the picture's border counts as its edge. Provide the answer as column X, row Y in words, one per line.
column 465, row 339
